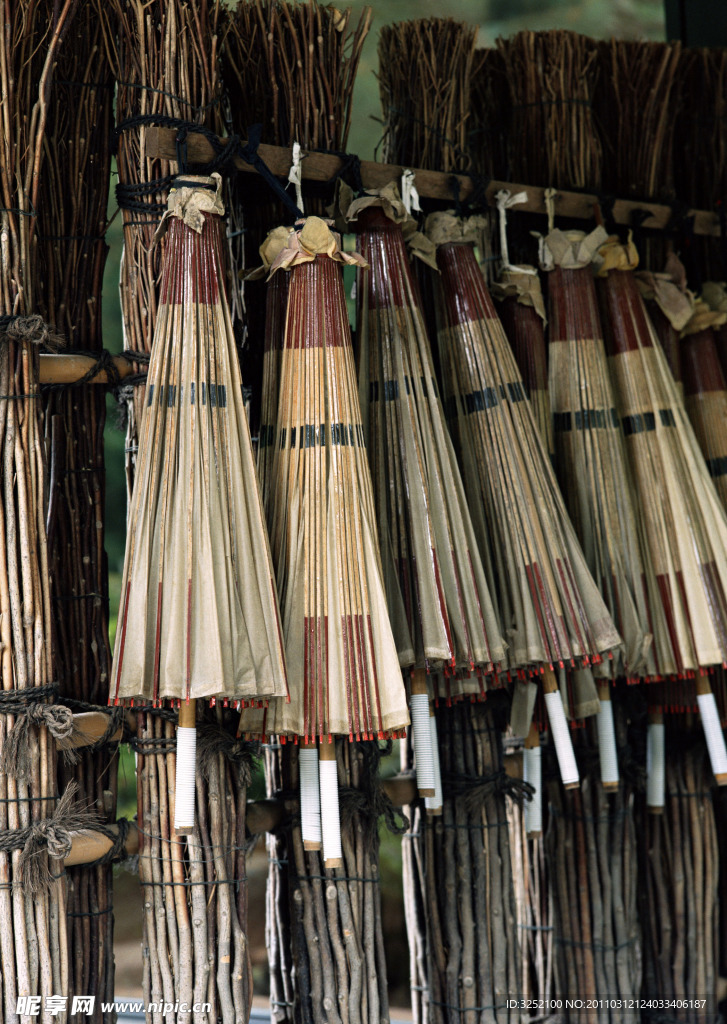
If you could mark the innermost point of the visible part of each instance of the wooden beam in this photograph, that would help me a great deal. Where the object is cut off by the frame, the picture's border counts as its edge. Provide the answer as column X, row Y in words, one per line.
column 160, row 143
column 89, row 846
column 89, row 727
column 67, row 369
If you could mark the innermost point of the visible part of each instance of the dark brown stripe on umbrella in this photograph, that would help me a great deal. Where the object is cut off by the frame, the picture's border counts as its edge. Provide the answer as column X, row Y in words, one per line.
column 625, row 326
column 465, row 293
column 701, row 370
column 668, row 337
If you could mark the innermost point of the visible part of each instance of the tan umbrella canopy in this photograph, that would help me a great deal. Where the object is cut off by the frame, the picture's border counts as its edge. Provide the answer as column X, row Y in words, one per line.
column 669, row 305
column 345, row 676
column 522, row 311
column 591, row 462
column 551, row 609
column 684, row 522
column 345, row 673
column 705, row 391
column 199, row 615
column 417, row 484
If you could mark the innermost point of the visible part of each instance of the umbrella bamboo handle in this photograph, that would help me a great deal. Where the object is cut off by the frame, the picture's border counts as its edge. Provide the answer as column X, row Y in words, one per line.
column 433, row 804
column 426, row 781
column 607, row 740
column 186, row 775
column 712, row 730
column 655, row 768
column 310, row 796
column 533, row 773
column 330, row 814
column 560, row 732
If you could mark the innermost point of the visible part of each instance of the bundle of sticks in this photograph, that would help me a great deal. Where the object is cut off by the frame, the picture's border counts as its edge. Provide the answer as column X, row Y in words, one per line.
column 34, row 953
column 592, row 868
column 72, row 251
column 289, row 68
column 425, row 81
column 553, row 139
column 163, row 56
column 678, row 878
column 458, row 889
column 636, row 104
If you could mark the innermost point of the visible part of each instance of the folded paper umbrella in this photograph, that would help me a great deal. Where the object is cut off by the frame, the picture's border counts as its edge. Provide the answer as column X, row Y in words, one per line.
column 551, row 609
column 670, row 306
column 522, row 311
column 417, row 484
column 684, row 522
column 199, row 615
column 591, row 461
column 345, row 676
column 276, row 305
column 705, row 391
column 554, row 611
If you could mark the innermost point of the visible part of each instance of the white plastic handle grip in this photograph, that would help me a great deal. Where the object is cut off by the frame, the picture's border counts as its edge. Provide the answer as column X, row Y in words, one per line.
column 310, row 797
column 561, row 738
column 655, row 765
column 713, row 732
column 434, row 803
column 422, row 741
column 186, row 778
column 532, row 770
column 330, row 815
column 607, row 744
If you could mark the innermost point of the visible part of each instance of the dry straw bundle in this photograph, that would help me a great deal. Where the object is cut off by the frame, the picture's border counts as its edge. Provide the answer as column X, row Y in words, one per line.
column 425, row 70
column 636, row 104
column 490, row 115
column 458, row 886
column 34, row 953
column 592, row 870
column 678, row 879
column 72, row 253
column 553, row 78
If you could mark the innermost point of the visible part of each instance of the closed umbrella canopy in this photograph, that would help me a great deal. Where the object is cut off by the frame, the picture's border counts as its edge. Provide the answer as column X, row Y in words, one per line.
column 199, row 614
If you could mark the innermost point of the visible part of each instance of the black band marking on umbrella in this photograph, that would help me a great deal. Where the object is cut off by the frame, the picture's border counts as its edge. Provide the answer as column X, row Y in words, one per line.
column 645, row 422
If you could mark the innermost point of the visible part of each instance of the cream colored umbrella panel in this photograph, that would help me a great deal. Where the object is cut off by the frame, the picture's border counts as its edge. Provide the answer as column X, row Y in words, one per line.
column 199, row 614
column 591, row 462
column 551, row 610
column 684, row 521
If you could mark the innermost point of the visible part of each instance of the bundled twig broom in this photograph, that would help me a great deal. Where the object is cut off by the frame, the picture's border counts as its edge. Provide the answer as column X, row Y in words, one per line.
column 71, row 225
column 33, row 944
column 425, row 70
column 553, row 138
column 636, row 104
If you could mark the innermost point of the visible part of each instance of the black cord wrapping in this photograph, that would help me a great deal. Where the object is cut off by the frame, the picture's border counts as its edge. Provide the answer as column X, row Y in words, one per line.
column 129, row 197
